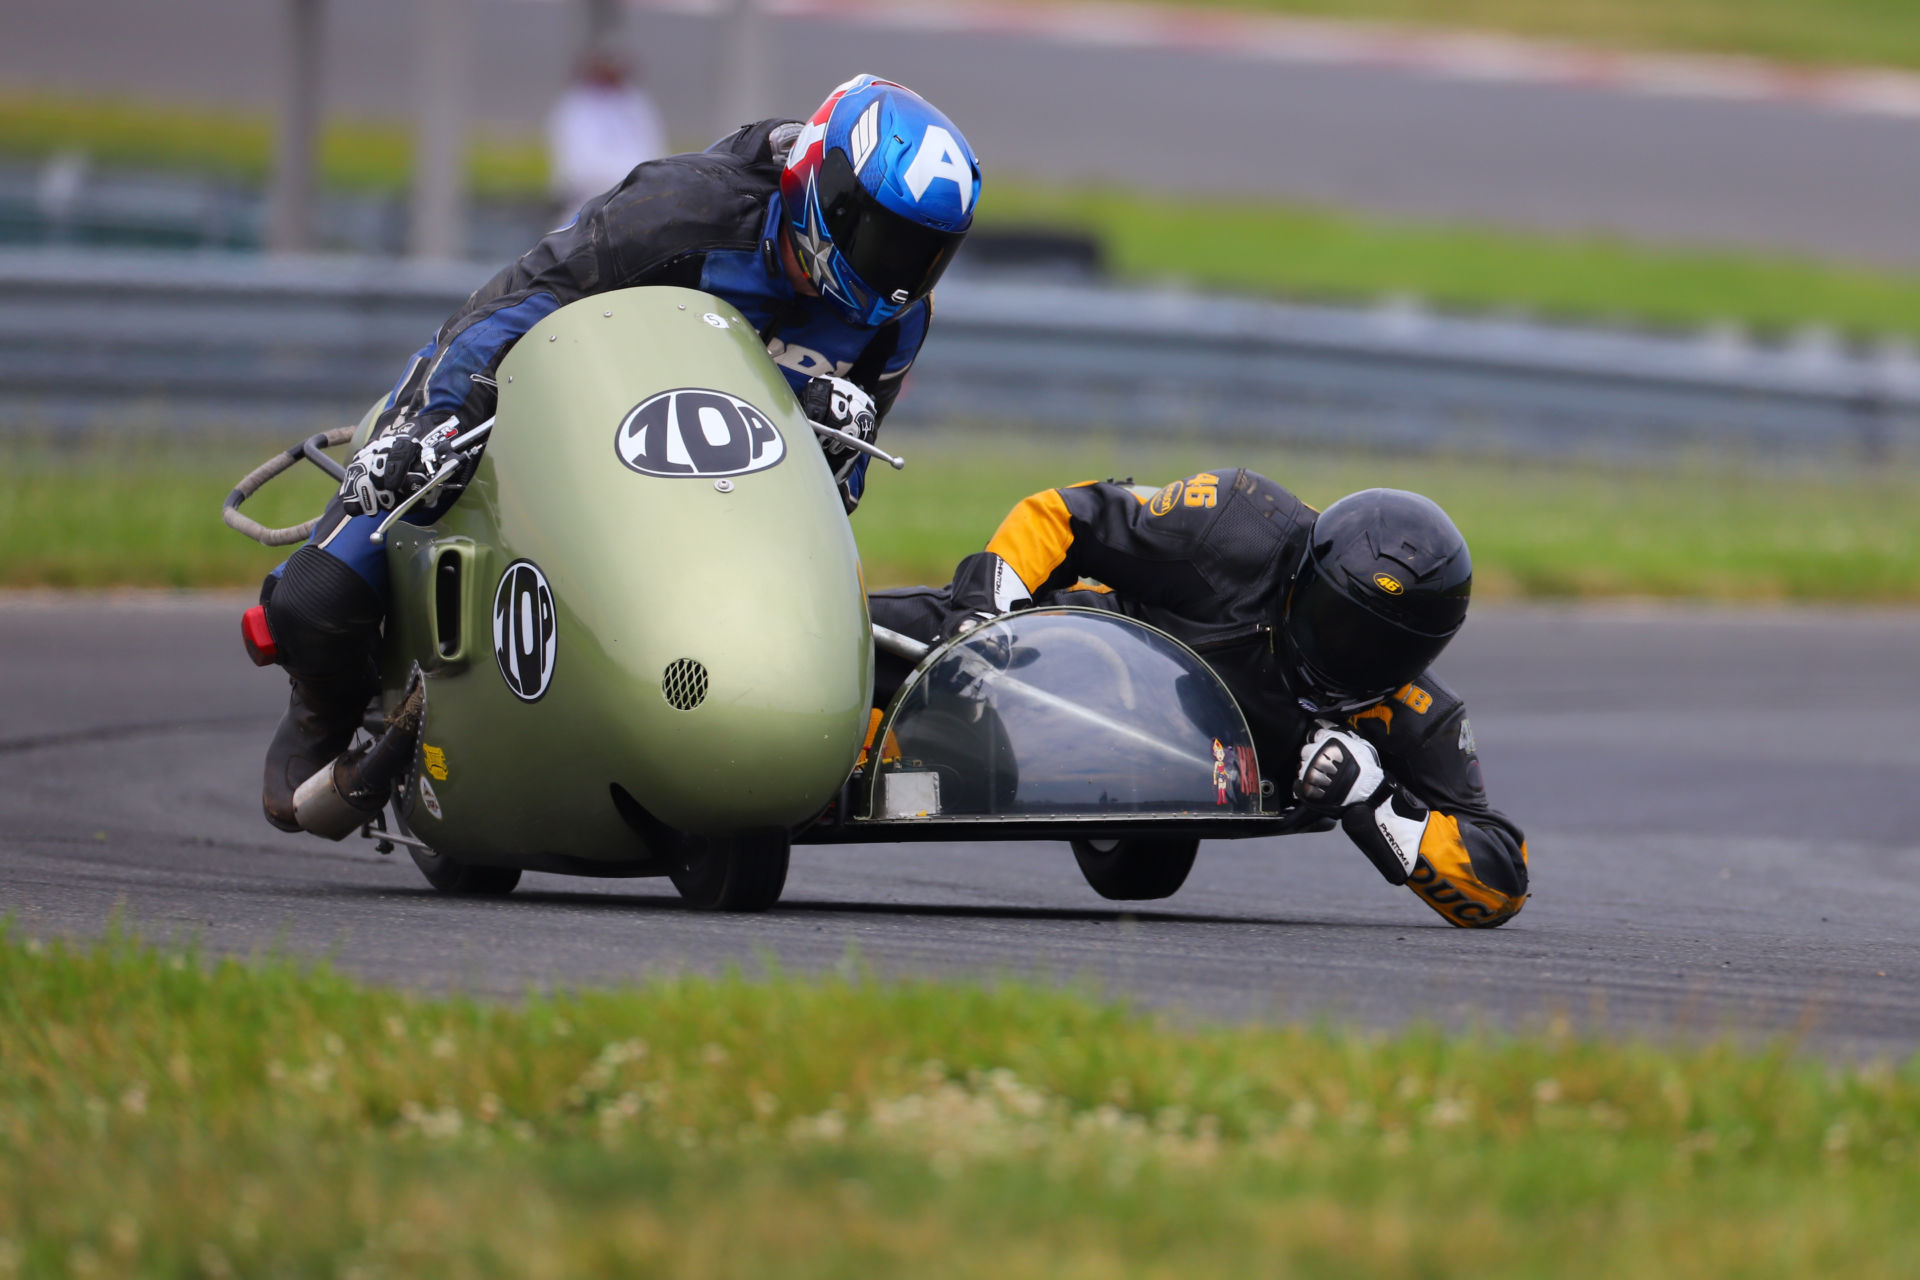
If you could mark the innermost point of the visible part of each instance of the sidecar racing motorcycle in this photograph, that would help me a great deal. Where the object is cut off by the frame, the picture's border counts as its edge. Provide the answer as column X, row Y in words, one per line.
column 638, row 645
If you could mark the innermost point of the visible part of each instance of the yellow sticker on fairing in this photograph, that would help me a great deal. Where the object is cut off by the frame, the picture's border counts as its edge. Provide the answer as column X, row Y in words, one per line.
column 436, row 761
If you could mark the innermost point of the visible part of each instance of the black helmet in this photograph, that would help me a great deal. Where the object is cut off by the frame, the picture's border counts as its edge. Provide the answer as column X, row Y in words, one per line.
column 1382, row 588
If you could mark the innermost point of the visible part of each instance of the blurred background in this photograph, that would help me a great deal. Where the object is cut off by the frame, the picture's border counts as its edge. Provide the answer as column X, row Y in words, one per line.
column 1632, row 286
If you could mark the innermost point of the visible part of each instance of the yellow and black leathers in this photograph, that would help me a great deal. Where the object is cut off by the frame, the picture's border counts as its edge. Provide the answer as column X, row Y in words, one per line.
column 1209, row 559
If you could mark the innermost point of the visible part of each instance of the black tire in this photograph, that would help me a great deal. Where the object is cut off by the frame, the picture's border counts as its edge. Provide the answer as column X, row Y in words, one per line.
column 1134, row 870
column 458, row 879
column 463, row 879
column 732, row 873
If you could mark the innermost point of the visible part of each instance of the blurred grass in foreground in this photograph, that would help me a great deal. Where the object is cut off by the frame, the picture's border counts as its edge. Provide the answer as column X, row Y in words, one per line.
column 1243, row 245
column 1834, row 32
column 164, row 1116
column 144, row 511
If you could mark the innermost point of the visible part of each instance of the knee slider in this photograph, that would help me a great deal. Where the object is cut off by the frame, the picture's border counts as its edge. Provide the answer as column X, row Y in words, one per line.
column 324, row 617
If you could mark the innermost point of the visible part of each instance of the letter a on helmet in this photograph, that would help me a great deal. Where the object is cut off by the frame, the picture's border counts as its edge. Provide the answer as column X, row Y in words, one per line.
column 939, row 156
column 877, row 195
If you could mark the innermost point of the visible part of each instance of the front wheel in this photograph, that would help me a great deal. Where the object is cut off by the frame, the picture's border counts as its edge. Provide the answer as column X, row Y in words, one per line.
column 732, row 873
column 1133, row 870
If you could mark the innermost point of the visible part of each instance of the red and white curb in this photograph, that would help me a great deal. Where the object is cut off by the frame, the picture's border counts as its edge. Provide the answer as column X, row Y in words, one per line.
column 1467, row 56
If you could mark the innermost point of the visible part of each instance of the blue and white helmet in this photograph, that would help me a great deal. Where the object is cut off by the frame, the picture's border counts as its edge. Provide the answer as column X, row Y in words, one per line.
column 878, row 192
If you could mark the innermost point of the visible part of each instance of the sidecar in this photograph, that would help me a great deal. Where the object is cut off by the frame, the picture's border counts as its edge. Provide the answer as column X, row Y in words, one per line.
column 1072, row 724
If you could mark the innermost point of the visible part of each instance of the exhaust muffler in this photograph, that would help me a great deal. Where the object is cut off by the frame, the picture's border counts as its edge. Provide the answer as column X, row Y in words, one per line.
column 347, row 794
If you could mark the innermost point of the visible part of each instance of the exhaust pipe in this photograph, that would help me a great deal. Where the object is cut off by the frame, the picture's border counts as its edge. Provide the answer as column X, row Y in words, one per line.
column 347, row 794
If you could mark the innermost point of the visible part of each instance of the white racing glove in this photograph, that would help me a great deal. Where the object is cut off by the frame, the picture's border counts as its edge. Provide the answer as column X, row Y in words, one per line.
column 837, row 403
column 388, row 470
column 1338, row 769
column 1340, row 772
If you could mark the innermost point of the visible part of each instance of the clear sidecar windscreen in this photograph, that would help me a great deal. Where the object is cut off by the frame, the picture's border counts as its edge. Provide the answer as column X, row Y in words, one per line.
column 1064, row 713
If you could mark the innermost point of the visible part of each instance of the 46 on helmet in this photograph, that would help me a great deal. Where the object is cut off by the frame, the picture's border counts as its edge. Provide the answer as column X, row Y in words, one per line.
column 878, row 193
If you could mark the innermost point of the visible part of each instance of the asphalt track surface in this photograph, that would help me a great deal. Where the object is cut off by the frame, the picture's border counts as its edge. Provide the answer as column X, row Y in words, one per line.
column 1549, row 156
column 1719, row 805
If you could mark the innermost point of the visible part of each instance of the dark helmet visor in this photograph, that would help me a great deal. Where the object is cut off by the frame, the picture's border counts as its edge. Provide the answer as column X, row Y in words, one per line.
column 898, row 258
column 1346, row 656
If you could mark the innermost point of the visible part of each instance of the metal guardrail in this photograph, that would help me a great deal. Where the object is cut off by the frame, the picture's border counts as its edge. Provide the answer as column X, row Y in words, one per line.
column 91, row 338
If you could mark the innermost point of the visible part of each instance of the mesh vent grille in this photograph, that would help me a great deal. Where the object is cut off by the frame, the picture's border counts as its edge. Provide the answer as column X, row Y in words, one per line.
column 684, row 685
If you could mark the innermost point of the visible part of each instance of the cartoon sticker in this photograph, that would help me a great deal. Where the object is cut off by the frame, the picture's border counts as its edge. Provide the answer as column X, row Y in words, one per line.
column 525, row 639
column 691, row 432
column 427, row 797
column 1219, row 772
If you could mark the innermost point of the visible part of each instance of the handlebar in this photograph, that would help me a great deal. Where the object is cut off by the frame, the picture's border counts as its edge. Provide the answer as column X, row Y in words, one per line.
column 250, row 484
column 458, row 447
column 852, row 441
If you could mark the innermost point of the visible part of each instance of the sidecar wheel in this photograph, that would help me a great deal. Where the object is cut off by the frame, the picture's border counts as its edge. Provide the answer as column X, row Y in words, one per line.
column 733, row 873
column 464, row 880
column 1137, row 869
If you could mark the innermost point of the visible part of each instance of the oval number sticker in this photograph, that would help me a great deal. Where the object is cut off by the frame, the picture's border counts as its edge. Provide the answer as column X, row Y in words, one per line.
column 696, row 433
column 525, row 640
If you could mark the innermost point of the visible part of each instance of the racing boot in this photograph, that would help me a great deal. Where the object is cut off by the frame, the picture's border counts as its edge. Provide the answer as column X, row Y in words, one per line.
column 320, row 722
column 324, row 620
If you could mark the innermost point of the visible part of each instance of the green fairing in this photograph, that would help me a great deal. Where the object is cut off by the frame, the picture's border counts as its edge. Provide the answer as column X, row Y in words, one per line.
column 760, row 583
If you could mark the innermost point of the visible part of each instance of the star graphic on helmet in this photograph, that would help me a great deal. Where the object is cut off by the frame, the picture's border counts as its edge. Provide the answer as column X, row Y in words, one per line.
column 815, row 248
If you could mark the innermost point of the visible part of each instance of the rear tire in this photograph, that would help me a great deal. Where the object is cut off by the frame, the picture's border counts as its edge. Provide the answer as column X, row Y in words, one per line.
column 1134, row 870
column 462, row 879
column 458, row 879
column 732, row 873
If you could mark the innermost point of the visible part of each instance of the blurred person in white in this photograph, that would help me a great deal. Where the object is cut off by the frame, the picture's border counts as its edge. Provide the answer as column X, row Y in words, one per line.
column 602, row 126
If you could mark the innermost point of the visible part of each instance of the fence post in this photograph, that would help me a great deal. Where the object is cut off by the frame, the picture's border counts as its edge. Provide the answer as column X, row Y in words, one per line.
column 296, row 148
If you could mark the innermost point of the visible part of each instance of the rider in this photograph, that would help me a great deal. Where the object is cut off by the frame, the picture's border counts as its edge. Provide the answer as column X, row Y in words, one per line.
column 1322, row 624
column 828, row 235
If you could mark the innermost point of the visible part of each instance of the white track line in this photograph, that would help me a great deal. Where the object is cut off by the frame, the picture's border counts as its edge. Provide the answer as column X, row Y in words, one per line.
column 1469, row 56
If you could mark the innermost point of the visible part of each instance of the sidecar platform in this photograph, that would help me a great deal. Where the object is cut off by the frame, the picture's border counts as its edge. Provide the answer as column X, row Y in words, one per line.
column 1059, row 724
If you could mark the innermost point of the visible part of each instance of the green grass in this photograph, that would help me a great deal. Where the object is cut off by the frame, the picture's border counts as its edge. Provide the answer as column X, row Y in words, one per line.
column 146, row 514
column 164, row 1116
column 140, row 510
column 1244, row 245
column 355, row 154
column 1265, row 247
column 1830, row 32
column 1696, row 529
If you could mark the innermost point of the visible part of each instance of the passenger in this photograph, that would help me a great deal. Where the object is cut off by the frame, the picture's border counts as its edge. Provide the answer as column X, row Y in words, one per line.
column 828, row 235
column 1323, row 625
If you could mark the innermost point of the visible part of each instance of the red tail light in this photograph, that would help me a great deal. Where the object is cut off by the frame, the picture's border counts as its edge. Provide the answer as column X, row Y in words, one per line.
column 258, row 638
